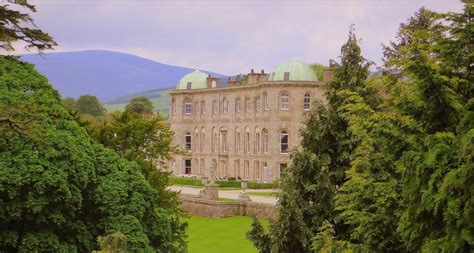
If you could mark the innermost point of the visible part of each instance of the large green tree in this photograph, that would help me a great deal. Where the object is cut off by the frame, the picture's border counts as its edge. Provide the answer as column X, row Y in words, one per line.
column 431, row 63
column 88, row 104
column 307, row 192
column 59, row 188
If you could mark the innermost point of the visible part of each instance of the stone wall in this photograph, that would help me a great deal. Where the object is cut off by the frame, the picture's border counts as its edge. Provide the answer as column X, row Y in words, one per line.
column 218, row 209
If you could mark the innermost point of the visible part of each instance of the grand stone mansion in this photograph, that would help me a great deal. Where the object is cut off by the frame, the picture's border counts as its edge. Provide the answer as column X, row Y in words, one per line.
column 245, row 129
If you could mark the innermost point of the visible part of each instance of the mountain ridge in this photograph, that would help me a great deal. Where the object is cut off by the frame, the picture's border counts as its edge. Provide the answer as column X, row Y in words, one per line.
column 106, row 74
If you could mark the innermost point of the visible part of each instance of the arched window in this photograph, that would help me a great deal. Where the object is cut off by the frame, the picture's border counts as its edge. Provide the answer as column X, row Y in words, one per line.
column 196, row 138
column 265, row 100
column 285, row 101
column 307, row 102
column 237, row 140
column 284, row 142
column 257, row 141
column 202, row 140
column 247, row 140
column 187, row 141
column 265, row 141
column 215, row 140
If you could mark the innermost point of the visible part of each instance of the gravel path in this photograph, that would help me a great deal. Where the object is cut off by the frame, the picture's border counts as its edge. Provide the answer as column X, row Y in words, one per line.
column 229, row 194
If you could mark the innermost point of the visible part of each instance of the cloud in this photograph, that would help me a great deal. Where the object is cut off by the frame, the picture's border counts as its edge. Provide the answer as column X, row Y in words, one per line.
column 227, row 36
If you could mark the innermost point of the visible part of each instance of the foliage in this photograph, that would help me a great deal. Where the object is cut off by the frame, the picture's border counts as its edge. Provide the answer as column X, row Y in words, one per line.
column 140, row 105
column 307, row 193
column 59, row 189
column 221, row 183
column 318, row 70
column 113, row 243
column 437, row 175
column 19, row 26
column 139, row 136
column 259, row 236
column 394, row 151
column 88, row 104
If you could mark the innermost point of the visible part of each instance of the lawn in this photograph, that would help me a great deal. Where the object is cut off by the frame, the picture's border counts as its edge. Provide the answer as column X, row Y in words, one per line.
column 219, row 235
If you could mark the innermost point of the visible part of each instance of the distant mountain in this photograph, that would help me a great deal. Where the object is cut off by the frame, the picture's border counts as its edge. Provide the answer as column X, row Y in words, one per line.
column 105, row 74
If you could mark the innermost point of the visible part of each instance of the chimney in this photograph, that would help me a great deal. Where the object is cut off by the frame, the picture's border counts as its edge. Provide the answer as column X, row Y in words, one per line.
column 253, row 77
column 213, row 82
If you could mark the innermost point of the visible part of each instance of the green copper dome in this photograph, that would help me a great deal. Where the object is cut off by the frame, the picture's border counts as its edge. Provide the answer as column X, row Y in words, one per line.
column 299, row 71
column 197, row 79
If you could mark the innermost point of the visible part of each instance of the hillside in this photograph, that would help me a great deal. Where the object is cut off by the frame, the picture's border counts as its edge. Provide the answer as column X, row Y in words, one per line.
column 160, row 99
column 105, row 74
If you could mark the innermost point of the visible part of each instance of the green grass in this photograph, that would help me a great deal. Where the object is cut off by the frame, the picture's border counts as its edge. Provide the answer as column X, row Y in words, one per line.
column 264, row 194
column 220, row 235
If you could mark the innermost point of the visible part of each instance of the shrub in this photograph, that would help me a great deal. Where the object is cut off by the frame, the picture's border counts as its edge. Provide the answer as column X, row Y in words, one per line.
column 185, row 181
column 231, row 178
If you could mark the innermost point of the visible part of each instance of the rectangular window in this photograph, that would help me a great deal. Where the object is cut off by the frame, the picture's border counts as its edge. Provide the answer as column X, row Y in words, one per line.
column 188, row 108
column 285, row 102
column 283, row 167
column 237, row 105
column 214, row 106
column 225, row 106
column 256, row 170
column 247, row 105
column 237, row 169
column 187, row 166
column 259, row 105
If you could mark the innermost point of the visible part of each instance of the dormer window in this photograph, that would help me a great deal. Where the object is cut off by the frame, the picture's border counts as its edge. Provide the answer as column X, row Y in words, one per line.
column 213, row 84
column 188, row 86
column 286, row 76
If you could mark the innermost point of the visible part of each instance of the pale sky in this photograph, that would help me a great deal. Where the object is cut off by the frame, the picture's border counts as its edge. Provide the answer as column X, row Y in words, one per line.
column 227, row 36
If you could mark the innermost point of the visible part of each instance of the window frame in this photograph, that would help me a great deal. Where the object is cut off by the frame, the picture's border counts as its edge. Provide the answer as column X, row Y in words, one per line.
column 307, row 102
column 285, row 101
column 284, row 133
column 188, row 144
column 188, row 105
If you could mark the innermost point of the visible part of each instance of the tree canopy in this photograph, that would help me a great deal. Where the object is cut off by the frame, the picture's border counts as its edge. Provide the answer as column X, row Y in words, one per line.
column 386, row 165
column 16, row 25
column 59, row 188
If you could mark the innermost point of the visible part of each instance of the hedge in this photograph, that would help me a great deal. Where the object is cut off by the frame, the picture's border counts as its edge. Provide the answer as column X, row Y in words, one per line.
column 223, row 184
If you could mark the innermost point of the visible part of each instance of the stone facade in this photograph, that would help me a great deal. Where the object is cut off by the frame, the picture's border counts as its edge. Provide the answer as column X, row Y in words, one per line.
column 242, row 130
